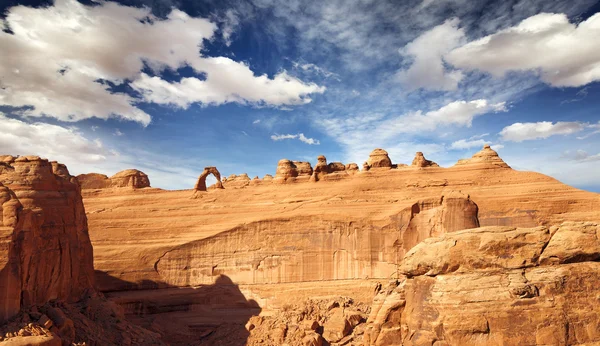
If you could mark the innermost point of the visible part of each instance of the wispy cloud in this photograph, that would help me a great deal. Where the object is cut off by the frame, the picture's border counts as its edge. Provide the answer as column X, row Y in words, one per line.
column 300, row 136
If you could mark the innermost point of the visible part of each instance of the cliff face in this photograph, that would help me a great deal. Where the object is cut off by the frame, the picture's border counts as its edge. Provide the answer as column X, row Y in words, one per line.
column 494, row 286
column 45, row 249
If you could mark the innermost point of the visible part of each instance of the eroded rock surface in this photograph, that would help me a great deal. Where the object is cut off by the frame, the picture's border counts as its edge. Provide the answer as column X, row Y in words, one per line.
column 421, row 161
column 131, row 178
column 433, row 217
column 201, row 183
column 378, row 159
column 45, row 249
column 486, row 158
column 493, row 286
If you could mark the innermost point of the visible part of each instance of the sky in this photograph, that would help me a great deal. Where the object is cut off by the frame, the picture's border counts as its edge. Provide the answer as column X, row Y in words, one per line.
column 171, row 86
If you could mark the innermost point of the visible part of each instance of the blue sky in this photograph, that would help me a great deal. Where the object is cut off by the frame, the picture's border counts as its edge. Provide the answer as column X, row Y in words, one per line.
column 169, row 87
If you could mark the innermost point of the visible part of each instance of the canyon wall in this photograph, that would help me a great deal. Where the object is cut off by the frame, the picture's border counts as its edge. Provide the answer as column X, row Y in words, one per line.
column 45, row 249
column 494, row 286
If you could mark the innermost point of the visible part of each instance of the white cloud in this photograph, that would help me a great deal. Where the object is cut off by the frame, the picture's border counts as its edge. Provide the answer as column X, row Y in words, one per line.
column 257, row 121
column 300, row 136
column 496, row 146
column 427, row 69
column 49, row 141
column 310, row 141
column 359, row 135
column 467, row 144
column 581, row 156
column 118, row 133
column 564, row 54
column 231, row 22
column 227, row 81
column 57, row 55
column 519, row 132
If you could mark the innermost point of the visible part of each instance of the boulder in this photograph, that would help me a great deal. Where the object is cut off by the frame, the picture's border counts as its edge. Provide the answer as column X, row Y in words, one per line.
column 379, row 159
column 337, row 326
column 421, row 161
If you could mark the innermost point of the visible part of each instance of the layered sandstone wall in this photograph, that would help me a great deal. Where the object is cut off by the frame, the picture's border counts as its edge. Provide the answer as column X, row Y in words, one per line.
column 45, row 249
column 494, row 286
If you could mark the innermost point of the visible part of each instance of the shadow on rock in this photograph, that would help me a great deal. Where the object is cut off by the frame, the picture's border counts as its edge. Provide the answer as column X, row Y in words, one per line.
column 206, row 315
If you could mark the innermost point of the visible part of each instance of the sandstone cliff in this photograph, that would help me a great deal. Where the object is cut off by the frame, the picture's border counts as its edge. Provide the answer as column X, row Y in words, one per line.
column 494, row 286
column 45, row 249
column 378, row 159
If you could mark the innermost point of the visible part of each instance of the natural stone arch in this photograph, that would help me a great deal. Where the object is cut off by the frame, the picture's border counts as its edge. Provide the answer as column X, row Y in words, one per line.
column 201, row 184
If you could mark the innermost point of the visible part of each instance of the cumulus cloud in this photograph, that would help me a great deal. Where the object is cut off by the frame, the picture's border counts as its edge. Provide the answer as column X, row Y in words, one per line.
column 227, row 81
column 300, row 136
column 467, row 144
column 519, row 132
column 564, row 54
column 58, row 59
column 49, row 141
column 427, row 69
column 362, row 133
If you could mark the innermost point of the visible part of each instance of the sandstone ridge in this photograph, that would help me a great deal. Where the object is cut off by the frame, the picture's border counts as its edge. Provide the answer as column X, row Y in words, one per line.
column 131, row 178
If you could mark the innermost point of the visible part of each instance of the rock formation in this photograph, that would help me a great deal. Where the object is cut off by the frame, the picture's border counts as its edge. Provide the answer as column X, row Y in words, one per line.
column 40, row 200
column 131, row 178
column 433, row 217
column 486, row 158
column 288, row 170
column 421, row 161
column 236, row 181
column 336, row 167
column 201, row 183
column 159, row 255
column 352, row 168
column 476, row 287
column 378, row 159
column 47, row 294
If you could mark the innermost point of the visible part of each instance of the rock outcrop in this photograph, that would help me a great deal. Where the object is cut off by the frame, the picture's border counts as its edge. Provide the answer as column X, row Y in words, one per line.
column 486, row 158
column 236, row 181
column 378, row 159
column 201, row 183
column 476, row 287
column 131, row 178
column 433, row 217
column 288, row 171
column 421, row 161
column 45, row 249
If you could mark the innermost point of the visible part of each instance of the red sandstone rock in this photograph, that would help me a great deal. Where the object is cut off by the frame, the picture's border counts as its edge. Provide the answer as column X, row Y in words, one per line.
column 379, row 159
column 421, row 161
column 39, row 204
column 486, row 158
column 201, row 183
column 130, row 178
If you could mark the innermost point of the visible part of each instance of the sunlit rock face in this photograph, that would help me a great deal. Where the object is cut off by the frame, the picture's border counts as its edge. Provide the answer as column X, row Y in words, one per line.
column 476, row 287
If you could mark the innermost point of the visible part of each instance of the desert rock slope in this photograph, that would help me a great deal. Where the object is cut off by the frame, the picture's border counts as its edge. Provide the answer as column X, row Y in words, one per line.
column 308, row 233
